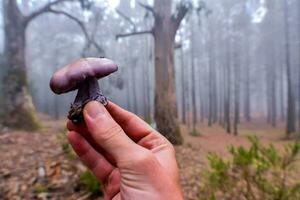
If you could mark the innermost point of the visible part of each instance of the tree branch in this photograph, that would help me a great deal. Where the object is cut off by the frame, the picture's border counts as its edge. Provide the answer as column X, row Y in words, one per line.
column 126, row 18
column 42, row 10
column 181, row 11
column 148, row 8
column 134, row 33
column 82, row 27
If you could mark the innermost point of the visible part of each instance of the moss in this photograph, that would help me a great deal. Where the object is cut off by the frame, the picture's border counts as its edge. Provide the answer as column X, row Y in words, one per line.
column 177, row 139
column 23, row 115
column 28, row 121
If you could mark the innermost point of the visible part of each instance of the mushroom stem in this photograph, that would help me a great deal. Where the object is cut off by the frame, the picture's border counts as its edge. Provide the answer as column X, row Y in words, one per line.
column 88, row 90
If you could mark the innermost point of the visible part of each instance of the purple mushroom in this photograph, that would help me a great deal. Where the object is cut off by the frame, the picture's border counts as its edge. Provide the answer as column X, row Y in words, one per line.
column 82, row 75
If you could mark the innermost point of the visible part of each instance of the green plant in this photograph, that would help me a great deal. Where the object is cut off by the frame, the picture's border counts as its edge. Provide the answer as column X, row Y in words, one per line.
column 256, row 173
column 195, row 133
column 40, row 188
column 90, row 183
column 65, row 145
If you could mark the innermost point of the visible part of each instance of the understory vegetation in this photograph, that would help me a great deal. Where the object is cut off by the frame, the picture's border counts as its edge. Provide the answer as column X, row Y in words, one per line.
column 254, row 173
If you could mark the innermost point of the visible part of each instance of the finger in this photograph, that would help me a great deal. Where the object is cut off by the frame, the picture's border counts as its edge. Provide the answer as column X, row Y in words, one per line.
column 107, row 133
column 112, row 185
column 133, row 126
column 96, row 162
column 83, row 131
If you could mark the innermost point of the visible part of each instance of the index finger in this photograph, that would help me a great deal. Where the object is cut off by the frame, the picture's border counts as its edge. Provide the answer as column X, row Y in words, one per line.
column 133, row 126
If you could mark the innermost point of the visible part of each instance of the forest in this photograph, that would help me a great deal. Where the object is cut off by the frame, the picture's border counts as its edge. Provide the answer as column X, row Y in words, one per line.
column 220, row 79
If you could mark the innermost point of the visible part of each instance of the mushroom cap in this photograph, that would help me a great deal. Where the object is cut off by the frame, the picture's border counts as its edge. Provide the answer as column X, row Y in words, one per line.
column 68, row 78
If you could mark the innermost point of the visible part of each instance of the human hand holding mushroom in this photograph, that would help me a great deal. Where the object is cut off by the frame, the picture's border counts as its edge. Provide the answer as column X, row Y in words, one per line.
column 130, row 158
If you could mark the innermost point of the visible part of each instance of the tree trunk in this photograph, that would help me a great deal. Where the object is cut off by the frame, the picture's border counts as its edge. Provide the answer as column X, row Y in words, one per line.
column 290, row 126
column 298, row 65
column 281, row 91
column 147, row 82
column 165, row 96
column 133, row 79
column 236, row 93
column 228, row 85
column 18, row 106
column 273, row 94
column 194, row 108
column 211, row 80
column 183, row 88
column 210, row 86
column 247, row 101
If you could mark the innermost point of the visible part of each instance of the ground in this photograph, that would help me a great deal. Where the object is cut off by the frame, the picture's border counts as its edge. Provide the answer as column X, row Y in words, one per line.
column 35, row 166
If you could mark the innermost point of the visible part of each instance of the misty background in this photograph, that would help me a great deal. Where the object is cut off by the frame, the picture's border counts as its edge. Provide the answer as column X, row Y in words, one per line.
column 246, row 34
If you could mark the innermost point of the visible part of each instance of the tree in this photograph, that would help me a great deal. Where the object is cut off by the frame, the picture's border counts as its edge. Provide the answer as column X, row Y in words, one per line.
column 193, row 64
column 227, row 73
column 18, row 106
column 290, row 126
column 247, row 96
column 298, row 16
column 236, row 92
column 183, row 85
column 164, row 30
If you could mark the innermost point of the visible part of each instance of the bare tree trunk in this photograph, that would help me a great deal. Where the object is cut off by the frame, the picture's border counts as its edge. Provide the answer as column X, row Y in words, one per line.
column 165, row 28
column 194, row 108
column 18, row 106
column 281, row 91
column 183, row 87
column 227, row 106
column 271, row 85
column 298, row 65
column 290, row 127
column 134, row 95
column 211, row 80
column 236, row 92
column 273, row 95
column 210, row 90
column 247, row 101
column 147, row 81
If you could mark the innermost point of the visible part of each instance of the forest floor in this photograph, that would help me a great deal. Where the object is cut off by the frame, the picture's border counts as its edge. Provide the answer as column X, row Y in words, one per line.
column 36, row 165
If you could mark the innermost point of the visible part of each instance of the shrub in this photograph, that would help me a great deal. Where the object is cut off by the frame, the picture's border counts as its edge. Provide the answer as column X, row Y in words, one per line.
column 256, row 173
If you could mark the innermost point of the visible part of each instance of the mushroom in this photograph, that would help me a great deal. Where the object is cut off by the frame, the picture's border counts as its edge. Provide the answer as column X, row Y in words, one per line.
column 82, row 75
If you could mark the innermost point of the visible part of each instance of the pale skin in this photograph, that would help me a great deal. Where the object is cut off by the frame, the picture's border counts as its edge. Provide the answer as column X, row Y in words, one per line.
column 130, row 158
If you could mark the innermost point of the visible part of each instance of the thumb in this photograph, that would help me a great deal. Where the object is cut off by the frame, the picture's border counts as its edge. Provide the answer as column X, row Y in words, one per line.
column 107, row 133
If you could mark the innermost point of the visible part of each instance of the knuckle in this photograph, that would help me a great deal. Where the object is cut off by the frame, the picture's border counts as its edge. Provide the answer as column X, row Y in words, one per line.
column 144, row 159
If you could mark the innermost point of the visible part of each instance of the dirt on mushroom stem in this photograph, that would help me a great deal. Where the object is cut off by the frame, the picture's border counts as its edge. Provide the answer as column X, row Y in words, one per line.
column 88, row 90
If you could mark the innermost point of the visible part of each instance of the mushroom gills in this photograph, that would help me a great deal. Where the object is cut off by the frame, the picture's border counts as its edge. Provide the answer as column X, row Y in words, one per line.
column 88, row 90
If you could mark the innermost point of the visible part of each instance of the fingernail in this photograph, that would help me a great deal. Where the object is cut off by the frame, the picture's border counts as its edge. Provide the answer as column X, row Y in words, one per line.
column 94, row 109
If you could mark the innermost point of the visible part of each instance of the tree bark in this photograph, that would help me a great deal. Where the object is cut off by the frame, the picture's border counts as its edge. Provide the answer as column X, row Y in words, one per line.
column 227, row 106
column 165, row 28
column 194, row 108
column 183, row 87
column 18, row 106
column 236, row 93
column 290, row 126
column 247, row 96
column 298, row 13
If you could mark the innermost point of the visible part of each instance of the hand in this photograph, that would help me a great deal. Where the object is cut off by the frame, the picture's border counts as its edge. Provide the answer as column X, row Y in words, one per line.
column 132, row 160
